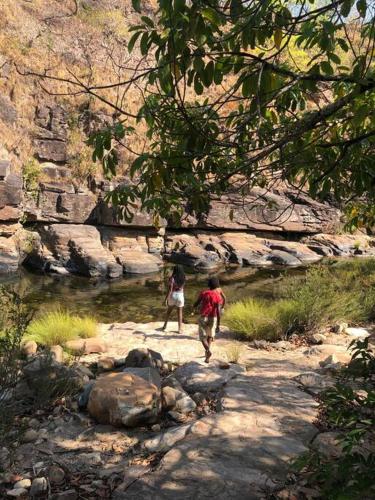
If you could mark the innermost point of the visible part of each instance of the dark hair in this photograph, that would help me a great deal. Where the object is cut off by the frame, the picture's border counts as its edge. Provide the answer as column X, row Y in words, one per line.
column 178, row 275
column 213, row 283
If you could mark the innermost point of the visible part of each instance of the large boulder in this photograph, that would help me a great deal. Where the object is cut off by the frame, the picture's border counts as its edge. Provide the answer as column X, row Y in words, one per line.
column 124, row 399
column 298, row 250
column 144, row 358
column 197, row 377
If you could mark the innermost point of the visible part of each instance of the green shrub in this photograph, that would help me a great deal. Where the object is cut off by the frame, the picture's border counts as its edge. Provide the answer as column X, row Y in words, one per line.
column 57, row 327
column 326, row 295
column 348, row 408
column 258, row 319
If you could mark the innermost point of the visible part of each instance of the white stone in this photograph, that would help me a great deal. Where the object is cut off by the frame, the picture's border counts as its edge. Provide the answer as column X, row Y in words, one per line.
column 17, row 492
column 23, row 483
column 356, row 332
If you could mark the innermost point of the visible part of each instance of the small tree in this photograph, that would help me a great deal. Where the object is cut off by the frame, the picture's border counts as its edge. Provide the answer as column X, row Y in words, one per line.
column 14, row 320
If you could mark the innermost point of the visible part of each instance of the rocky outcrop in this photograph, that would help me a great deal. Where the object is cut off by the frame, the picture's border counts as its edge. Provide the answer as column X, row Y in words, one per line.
column 207, row 251
column 69, row 248
column 343, row 245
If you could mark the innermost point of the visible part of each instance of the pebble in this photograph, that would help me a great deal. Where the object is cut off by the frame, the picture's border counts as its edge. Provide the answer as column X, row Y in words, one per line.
column 24, row 483
column 156, row 428
column 331, row 360
column 38, row 486
column 57, row 353
column 30, row 436
column 17, row 492
column 29, row 348
column 340, row 328
column 34, row 423
column 66, row 495
column 106, row 364
column 56, row 474
column 318, row 338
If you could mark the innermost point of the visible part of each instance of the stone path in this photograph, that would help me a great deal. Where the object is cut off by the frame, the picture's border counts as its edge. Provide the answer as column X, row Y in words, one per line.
column 244, row 451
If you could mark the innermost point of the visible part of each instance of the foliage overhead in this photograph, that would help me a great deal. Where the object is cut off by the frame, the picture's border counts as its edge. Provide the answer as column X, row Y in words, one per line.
column 248, row 93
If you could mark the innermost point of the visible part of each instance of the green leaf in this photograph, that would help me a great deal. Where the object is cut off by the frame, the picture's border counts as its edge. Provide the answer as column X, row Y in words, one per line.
column 235, row 9
column 278, row 37
column 143, row 44
column 326, row 68
column 343, row 44
column 362, row 8
column 133, row 40
column 148, row 21
column 136, row 5
column 211, row 15
column 198, row 87
column 137, row 163
column 346, row 7
column 208, row 73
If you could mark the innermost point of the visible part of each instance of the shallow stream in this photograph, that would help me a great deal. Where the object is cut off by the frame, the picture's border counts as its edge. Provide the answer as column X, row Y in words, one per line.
column 136, row 298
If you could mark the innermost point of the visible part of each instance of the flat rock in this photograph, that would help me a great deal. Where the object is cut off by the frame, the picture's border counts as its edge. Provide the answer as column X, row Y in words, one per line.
column 196, row 377
column 166, row 440
column 86, row 346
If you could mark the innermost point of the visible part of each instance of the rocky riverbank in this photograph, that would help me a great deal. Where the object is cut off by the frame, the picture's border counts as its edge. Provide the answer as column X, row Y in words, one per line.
column 162, row 424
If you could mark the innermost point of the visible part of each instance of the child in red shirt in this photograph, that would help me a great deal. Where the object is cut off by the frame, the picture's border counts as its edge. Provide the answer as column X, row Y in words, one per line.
column 209, row 302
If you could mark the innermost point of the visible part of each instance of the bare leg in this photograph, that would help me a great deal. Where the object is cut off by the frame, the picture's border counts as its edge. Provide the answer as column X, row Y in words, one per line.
column 218, row 324
column 207, row 344
column 180, row 313
column 169, row 311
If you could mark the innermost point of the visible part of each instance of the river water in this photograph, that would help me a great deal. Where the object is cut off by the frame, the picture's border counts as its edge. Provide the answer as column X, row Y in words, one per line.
column 135, row 298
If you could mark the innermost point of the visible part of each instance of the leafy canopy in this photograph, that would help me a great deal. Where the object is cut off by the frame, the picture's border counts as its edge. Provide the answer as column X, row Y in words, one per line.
column 238, row 94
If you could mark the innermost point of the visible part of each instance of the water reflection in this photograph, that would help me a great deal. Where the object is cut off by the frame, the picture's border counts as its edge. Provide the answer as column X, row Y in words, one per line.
column 134, row 298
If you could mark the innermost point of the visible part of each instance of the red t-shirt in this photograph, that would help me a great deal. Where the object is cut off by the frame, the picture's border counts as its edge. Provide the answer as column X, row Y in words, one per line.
column 209, row 300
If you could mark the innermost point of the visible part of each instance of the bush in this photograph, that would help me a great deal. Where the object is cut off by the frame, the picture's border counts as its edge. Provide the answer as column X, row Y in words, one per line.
column 326, row 295
column 347, row 408
column 57, row 327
